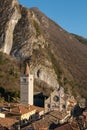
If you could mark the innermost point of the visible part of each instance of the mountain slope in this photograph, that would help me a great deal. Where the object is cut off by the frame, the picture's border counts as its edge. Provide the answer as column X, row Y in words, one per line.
column 9, row 72
column 81, row 39
column 55, row 56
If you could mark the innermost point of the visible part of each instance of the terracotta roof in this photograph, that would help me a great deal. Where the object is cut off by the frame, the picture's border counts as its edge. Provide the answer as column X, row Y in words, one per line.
column 7, row 122
column 22, row 109
column 72, row 100
column 64, row 127
column 69, row 107
column 39, row 108
column 72, row 126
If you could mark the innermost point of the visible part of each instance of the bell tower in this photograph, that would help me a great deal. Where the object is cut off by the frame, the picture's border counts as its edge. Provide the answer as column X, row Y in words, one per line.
column 26, row 87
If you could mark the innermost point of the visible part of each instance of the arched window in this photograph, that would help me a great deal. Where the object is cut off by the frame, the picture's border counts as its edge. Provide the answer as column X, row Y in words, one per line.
column 38, row 73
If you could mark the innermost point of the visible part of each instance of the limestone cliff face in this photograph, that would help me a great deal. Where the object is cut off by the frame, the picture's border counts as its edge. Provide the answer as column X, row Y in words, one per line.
column 9, row 16
column 32, row 38
column 29, row 41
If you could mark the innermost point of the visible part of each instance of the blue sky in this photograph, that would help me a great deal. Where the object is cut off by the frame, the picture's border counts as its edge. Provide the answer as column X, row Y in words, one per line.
column 69, row 14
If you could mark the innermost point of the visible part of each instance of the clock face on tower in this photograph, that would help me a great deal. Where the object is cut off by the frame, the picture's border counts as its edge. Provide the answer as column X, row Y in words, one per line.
column 56, row 98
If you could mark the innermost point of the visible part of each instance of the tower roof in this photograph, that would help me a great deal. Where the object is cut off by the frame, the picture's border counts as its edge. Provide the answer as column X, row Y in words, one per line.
column 27, row 71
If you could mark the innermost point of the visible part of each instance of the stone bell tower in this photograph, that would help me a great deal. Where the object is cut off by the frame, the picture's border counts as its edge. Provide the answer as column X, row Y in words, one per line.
column 26, row 87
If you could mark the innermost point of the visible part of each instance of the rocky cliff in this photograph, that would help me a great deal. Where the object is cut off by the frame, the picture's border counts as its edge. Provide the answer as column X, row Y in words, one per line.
column 9, row 16
column 29, row 41
column 55, row 56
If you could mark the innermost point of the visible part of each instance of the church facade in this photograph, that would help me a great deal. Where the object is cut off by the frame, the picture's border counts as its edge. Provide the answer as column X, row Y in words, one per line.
column 60, row 101
column 56, row 101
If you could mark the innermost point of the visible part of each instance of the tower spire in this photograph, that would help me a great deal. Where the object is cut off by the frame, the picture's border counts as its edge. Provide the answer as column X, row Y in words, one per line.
column 27, row 70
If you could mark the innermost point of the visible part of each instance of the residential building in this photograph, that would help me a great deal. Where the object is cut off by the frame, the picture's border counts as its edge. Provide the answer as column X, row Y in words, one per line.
column 7, row 122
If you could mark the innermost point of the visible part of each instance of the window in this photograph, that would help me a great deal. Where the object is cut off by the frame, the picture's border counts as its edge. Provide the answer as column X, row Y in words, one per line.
column 24, row 80
column 64, row 106
column 56, row 98
column 48, row 105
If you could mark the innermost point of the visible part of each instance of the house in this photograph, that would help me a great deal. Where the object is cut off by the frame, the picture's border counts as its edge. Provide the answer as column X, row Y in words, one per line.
column 19, row 114
column 2, row 115
column 85, row 113
column 64, row 127
column 71, row 102
column 67, row 127
column 22, row 112
column 7, row 122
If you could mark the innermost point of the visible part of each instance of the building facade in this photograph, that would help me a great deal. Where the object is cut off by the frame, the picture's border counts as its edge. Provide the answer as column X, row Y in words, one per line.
column 56, row 101
column 60, row 101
